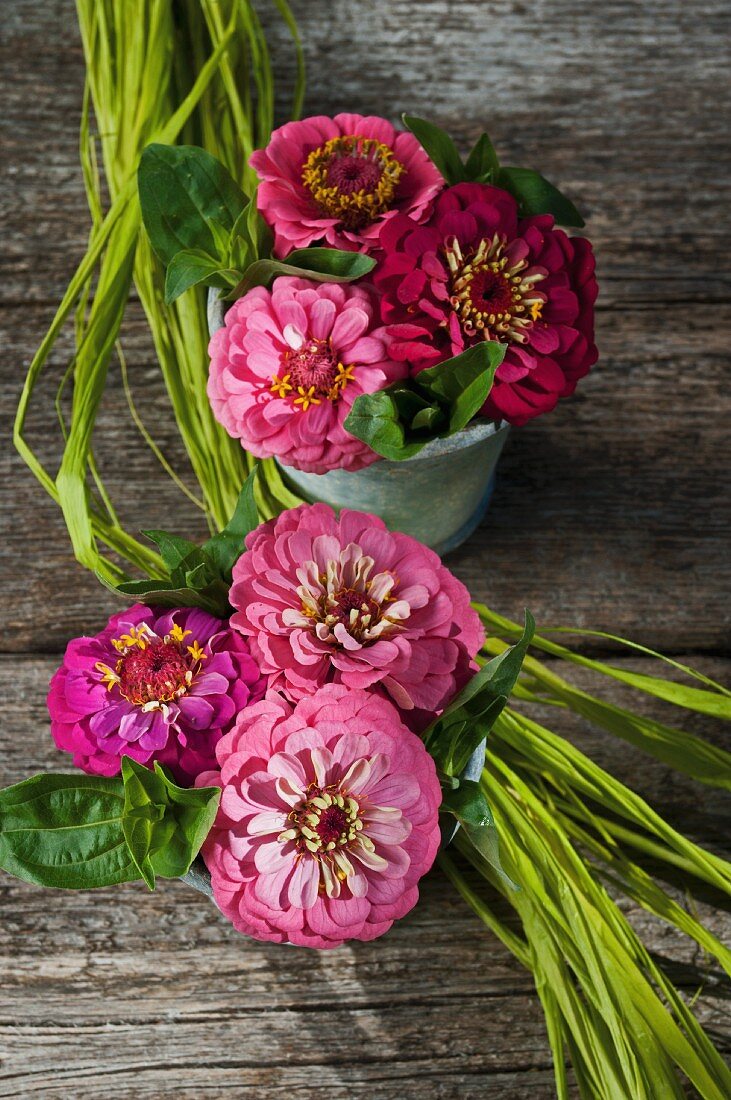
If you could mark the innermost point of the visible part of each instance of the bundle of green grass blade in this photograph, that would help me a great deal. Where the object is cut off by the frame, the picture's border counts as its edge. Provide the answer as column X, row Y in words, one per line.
column 198, row 72
column 187, row 71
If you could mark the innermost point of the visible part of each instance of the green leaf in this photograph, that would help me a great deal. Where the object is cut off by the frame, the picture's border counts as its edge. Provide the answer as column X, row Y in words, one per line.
column 439, row 146
column 457, row 732
column 464, row 381
column 468, row 804
column 259, row 233
column 173, row 549
column 482, row 164
column 193, row 267
column 375, row 418
column 429, row 418
column 169, row 823
column 335, row 263
column 142, row 809
column 65, row 831
column 322, row 265
column 186, row 196
column 225, row 548
column 167, row 594
column 536, row 195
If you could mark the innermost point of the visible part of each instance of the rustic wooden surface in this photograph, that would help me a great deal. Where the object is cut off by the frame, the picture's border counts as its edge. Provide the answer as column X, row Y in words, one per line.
column 611, row 513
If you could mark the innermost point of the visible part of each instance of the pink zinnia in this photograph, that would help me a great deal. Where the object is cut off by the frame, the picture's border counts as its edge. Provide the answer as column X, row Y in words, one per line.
column 328, row 819
column 476, row 271
column 288, row 365
column 339, row 179
column 345, row 600
column 154, row 685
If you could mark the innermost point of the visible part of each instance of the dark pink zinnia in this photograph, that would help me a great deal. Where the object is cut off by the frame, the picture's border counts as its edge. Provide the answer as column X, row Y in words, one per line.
column 328, row 819
column 476, row 271
column 342, row 599
column 153, row 685
column 339, row 179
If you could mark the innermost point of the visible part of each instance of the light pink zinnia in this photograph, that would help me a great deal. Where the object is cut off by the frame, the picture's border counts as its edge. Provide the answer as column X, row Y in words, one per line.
column 328, row 819
column 153, row 685
column 339, row 179
column 288, row 365
column 477, row 271
column 325, row 599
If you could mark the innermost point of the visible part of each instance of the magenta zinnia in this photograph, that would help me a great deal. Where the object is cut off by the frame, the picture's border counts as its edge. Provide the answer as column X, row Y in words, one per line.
column 288, row 365
column 476, row 271
column 153, row 685
column 339, row 179
column 324, row 599
column 328, row 819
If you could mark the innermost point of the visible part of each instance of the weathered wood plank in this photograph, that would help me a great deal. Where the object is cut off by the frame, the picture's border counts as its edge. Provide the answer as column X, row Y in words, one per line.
column 592, row 96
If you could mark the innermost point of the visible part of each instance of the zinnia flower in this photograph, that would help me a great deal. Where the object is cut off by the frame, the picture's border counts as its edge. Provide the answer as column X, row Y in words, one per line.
column 476, row 271
column 339, row 179
column 154, row 685
column 288, row 365
column 345, row 600
column 328, row 819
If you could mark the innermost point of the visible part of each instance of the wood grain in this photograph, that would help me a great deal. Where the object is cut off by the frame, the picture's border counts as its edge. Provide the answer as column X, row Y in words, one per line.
column 610, row 513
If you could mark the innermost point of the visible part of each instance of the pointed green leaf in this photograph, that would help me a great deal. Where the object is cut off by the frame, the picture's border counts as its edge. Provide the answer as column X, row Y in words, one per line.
column 65, row 831
column 179, row 836
column 536, row 195
column 482, row 163
column 171, row 822
column 438, row 146
column 324, row 265
column 141, row 811
column 468, row 804
column 185, row 196
column 193, row 268
column 335, row 263
column 375, row 418
column 430, row 418
column 454, row 735
column 225, row 548
column 259, row 233
column 173, row 549
column 167, row 594
column 464, row 382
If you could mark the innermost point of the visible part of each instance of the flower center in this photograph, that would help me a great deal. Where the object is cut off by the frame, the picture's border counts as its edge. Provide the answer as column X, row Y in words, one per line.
column 347, row 602
column 357, row 611
column 324, row 821
column 151, row 670
column 353, row 179
column 157, row 672
column 311, row 374
column 493, row 291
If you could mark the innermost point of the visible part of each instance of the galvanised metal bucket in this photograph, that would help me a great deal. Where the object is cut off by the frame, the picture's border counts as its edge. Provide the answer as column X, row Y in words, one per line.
column 438, row 496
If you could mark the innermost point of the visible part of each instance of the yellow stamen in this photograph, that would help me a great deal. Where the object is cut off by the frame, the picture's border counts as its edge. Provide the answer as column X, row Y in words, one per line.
column 307, row 397
column 195, row 651
column 138, row 636
column 280, row 386
column 109, row 677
